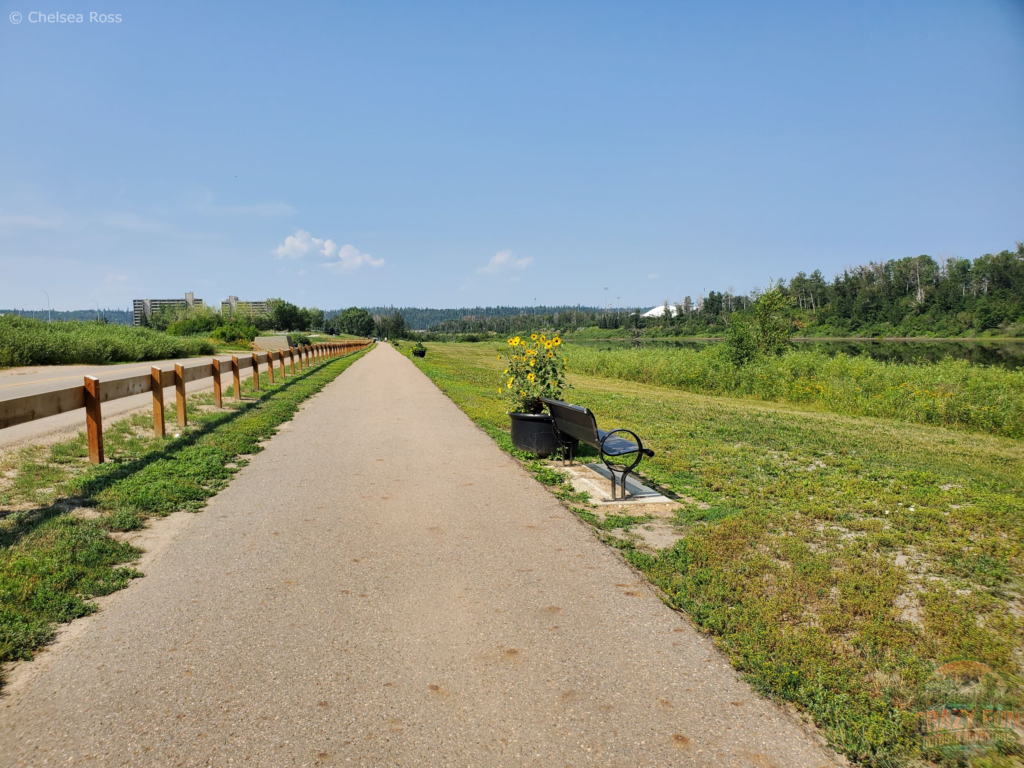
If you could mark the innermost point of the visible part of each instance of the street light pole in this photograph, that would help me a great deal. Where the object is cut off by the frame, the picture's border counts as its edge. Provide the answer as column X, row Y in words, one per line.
column 49, row 317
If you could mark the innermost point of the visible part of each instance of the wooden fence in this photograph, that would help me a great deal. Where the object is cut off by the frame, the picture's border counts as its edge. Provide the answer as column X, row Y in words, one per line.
column 94, row 392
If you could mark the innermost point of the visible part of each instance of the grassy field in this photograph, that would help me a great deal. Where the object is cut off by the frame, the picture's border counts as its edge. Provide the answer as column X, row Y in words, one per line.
column 836, row 559
column 24, row 341
column 950, row 393
column 57, row 511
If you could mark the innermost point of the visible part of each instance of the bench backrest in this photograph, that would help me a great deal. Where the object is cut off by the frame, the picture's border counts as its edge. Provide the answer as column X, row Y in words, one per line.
column 573, row 421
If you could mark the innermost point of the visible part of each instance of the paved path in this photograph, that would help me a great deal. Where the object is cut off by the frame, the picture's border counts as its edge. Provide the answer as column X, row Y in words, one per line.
column 383, row 587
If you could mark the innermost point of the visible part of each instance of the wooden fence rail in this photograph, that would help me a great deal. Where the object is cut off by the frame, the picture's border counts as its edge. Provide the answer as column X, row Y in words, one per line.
column 93, row 393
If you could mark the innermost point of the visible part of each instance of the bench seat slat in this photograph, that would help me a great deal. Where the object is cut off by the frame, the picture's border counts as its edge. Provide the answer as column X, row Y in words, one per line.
column 617, row 446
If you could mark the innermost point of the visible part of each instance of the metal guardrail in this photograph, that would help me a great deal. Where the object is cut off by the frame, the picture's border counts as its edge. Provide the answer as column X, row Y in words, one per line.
column 92, row 393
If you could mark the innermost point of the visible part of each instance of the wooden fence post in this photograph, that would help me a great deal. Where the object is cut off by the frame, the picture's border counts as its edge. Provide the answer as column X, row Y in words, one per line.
column 93, row 419
column 156, row 380
column 217, row 399
column 270, row 367
column 280, row 356
column 179, row 394
column 291, row 359
column 255, row 371
column 236, row 375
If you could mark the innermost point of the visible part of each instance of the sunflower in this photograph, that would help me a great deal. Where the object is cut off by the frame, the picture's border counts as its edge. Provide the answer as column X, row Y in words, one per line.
column 511, row 342
column 534, row 337
column 547, row 345
column 509, row 384
column 556, row 341
column 530, row 377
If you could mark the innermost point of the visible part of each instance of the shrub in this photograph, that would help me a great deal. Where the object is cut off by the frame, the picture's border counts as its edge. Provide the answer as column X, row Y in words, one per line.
column 25, row 341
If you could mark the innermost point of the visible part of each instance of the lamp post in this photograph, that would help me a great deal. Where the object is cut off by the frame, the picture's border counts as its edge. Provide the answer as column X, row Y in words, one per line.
column 49, row 317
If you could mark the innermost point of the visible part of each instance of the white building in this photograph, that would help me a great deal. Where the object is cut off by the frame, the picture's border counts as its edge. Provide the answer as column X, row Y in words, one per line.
column 659, row 311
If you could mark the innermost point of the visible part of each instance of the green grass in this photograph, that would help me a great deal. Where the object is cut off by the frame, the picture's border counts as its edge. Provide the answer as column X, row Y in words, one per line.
column 52, row 561
column 837, row 560
column 951, row 393
column 24, row 341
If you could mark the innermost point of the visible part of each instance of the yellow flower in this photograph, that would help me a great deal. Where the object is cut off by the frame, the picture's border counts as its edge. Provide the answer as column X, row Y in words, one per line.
column 506, row 370
column 516, row 340
column 533, row 362
column 551, row 354
column 547, row 345
column 556, row 341
column 534, row 337
column 499, row 390
column 509, row 384
column 511, row 342
column 499, row 357
column 543, row 337
column 530, row 377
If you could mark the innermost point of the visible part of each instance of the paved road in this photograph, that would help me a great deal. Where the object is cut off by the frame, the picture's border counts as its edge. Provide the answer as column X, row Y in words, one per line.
column 383, row 587
column 18, row 382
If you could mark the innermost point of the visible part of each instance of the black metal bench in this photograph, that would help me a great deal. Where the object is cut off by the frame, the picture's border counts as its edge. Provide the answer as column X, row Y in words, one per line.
column 576, row 424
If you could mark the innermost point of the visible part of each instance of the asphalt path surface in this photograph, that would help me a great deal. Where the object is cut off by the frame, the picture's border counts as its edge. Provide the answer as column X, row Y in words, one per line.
column 19, row 382
column 382, row 586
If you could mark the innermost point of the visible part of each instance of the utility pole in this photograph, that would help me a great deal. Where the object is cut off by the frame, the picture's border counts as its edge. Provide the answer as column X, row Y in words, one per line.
column 49, row 317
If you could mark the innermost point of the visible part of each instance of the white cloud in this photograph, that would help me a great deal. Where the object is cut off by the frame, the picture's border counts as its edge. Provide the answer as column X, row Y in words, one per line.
column 350, row 257
column 303, row 244
column 505, row 260
column 653, row 276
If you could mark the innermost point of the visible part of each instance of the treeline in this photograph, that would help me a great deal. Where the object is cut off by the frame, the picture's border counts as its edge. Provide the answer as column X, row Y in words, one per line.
column 914, row 296
column 471, row 319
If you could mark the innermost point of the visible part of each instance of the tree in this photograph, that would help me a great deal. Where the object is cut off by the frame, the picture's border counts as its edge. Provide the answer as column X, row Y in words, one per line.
column 773, row 314
column 353, row 321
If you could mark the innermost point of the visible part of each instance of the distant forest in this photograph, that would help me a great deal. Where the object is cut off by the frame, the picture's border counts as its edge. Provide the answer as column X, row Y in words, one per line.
column 474, row 318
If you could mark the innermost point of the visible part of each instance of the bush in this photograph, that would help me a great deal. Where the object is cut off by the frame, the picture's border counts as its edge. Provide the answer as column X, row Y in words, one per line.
column 24, row 341
column 235, row 332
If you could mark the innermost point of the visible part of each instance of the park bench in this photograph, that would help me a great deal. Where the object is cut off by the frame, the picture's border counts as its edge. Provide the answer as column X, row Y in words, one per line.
column 576, row 424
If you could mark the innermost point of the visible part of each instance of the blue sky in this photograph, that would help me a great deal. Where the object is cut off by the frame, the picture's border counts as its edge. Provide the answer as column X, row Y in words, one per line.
column 460, row 154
